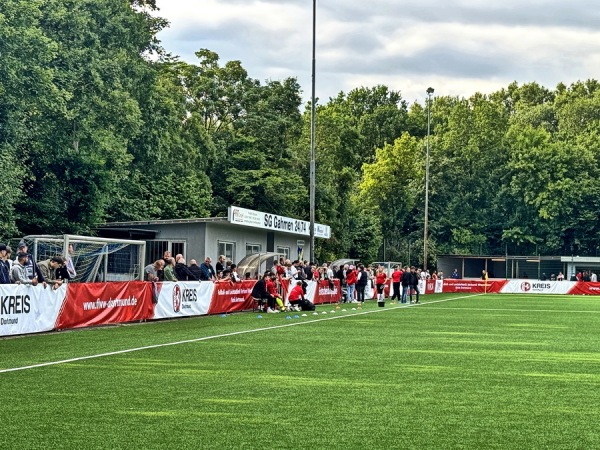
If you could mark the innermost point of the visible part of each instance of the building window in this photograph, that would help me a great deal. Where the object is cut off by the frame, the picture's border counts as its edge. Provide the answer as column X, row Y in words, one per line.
column 178, row 248
column 227, row 249
column 253, row 248
column 156, row 249
column 283, row 251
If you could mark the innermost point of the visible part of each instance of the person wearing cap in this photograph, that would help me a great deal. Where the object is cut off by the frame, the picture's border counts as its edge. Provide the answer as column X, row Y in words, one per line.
column 20, row 272
column 33, row 271
column 4, row 268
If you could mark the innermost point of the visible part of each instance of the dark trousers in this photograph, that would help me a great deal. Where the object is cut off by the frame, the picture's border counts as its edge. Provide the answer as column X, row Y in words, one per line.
column 416, row 289
column 397, row 291
column 269, row 300
column 360, row 293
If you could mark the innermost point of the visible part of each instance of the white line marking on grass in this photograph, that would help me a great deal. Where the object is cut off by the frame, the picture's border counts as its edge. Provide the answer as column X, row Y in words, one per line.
column 236, row 333
column 562, row 311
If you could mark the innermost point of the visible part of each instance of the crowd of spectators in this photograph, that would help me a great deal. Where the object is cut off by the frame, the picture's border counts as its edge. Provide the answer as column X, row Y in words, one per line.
column 359, row 279
column 170, row 268
column 25, row 270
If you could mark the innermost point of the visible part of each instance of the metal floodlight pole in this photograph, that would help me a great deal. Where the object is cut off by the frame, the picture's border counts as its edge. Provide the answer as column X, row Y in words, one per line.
column 312, row 138
column 426, row 222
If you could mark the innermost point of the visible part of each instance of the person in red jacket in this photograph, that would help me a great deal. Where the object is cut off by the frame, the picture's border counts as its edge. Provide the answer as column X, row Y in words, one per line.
column 350, row 284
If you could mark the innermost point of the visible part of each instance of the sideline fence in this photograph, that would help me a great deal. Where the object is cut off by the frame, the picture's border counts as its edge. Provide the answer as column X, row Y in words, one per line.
column 33, row 309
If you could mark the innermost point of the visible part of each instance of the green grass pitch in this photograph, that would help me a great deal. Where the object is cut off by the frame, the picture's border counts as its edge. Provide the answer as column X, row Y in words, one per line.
column 457, row 372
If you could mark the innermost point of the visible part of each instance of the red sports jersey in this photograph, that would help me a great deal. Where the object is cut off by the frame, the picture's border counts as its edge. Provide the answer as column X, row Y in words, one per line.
column 380, row 278
column 296, row 293
column 271, row 288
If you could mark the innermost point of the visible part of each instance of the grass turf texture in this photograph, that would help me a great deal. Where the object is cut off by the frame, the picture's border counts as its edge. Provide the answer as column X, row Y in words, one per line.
column 458, row 371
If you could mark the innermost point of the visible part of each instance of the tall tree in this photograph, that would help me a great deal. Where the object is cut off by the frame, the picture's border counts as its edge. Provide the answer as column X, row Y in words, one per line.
column 83, row 158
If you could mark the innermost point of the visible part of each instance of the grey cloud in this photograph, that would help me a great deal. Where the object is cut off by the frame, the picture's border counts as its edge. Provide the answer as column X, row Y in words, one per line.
column 575, row 13
column 351, row 38
column 436, row 61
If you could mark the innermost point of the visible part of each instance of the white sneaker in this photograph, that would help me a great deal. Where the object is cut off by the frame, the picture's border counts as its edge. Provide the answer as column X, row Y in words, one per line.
column 272, row 311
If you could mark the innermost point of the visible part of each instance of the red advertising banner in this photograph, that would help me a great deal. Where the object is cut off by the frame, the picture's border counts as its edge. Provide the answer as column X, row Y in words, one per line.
column 430, row 286
column 229, row 296
column 585, row 288
column 325, row 294
column 473, row 286
column 89, row 304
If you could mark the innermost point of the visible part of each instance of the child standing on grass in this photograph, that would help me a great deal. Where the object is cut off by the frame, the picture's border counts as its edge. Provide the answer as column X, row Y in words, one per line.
column 380, row 279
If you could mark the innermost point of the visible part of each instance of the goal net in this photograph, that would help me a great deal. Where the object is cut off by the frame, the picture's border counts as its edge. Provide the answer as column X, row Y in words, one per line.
column 91, row 259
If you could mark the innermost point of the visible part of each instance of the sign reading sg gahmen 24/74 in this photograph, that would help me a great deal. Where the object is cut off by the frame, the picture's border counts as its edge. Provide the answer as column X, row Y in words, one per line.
column 267, row 221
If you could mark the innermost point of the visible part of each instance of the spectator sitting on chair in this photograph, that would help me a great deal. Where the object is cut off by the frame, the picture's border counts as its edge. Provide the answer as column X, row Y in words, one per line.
column 49, row 269
column 261, row 294
column 271, row 283
column 182, row 271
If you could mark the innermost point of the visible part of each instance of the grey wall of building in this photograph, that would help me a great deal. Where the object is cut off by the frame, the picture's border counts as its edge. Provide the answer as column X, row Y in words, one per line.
column 193, row 235
column 202, row 239
column 224, row 232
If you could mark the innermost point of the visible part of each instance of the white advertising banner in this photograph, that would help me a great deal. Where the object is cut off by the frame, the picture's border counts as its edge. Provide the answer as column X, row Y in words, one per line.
column 311, row 289
column 537, row 287
column 29, row 309
column 439, row 286
column 182, row 299
column 267, row 221
column 422, row 285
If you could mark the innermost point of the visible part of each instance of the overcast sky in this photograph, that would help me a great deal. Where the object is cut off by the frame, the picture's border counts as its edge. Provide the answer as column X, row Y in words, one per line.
column 458, row 47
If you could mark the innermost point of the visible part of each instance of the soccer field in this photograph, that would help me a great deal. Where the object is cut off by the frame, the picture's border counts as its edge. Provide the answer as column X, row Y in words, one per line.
column 458, row 371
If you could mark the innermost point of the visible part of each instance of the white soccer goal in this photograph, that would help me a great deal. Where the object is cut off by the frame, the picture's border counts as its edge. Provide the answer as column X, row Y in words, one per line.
column 92, row 259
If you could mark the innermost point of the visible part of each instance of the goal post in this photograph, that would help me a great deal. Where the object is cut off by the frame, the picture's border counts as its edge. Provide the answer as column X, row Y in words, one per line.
column 93, row 259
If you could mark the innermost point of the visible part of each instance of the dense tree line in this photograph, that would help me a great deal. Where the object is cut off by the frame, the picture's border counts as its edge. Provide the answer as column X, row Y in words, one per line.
column 99, row 123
